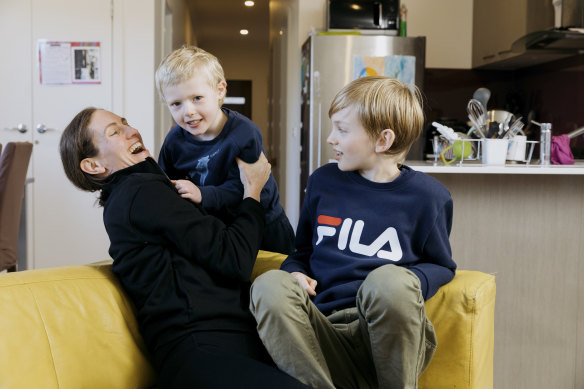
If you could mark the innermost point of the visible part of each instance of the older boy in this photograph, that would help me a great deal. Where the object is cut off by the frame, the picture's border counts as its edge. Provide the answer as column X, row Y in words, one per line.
column 372, row 245
column 199, row 152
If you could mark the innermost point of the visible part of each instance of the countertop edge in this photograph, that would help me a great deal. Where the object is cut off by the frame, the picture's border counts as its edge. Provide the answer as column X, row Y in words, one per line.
column 474, row 168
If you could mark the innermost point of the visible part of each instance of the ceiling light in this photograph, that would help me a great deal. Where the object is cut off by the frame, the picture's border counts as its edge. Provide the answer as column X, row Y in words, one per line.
column 249, row 3
column 356, row 7
column 243, row 32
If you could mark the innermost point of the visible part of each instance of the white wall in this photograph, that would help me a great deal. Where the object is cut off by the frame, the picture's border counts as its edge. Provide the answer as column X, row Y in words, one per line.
column 248, row 61
column 134, row 65
column 140, row 44
column 447, row 26
column 288, row 31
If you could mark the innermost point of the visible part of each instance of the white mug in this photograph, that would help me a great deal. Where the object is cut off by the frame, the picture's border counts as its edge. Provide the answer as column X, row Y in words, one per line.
column 494, row 151
column 517, row 148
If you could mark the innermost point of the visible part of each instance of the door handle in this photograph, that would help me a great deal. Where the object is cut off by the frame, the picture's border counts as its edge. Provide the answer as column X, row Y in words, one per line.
column 41, row 128
column 20, row 128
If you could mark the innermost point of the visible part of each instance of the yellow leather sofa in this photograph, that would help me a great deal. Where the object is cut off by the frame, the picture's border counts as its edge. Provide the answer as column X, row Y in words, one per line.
column 73, row 327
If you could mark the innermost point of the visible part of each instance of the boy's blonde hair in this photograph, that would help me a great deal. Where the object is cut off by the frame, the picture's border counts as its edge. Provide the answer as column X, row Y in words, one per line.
column 182, row 64
column 384, row 103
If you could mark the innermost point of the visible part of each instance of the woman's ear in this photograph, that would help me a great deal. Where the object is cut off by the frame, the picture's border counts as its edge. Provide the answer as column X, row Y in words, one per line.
column 92, row 166
column 384, row 141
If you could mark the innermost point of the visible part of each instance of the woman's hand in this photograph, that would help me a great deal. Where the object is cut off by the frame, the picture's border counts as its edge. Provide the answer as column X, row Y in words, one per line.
column 254, row 176
column 307, row 283
column 188, row 190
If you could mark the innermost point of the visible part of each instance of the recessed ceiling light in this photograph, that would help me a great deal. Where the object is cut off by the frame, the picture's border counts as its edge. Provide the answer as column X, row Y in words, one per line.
column 249, row 3
column 243, row 32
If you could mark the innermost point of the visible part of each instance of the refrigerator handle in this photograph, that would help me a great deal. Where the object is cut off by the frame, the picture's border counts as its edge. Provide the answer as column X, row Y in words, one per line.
column 319, row 149
column 377, row 13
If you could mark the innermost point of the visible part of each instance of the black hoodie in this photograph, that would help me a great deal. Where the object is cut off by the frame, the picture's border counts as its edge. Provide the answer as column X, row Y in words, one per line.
column 183, row 269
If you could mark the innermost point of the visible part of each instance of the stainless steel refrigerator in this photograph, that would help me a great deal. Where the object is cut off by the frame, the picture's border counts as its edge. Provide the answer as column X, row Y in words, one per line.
column 329, row 62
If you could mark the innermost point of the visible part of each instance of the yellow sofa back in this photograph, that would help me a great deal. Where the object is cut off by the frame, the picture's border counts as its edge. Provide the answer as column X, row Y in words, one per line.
column 69, row 328
column 73, row 327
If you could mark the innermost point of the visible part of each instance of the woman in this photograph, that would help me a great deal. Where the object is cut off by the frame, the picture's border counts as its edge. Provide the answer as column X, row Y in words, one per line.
column 186, row 272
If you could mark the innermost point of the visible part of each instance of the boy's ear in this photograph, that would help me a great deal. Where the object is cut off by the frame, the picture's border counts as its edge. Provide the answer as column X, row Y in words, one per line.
column 384, row 141
column 222, row 89
column 92, row 166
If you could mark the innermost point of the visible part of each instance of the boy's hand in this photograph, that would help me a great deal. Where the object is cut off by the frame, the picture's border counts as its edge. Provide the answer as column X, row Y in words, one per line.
column 188, row 190
column 254, row 176
column 306, row 282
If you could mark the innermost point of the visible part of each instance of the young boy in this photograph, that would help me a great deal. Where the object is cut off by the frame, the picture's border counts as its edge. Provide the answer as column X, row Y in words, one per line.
column 199, row 152
column 372, row 245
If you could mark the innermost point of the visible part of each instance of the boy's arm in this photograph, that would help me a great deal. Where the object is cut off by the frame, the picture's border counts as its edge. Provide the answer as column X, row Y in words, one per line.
column 229, row 193
column 216, row 197
column 437, row 266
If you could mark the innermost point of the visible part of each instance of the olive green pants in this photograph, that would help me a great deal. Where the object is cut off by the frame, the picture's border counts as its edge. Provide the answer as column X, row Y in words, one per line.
column 386, row 341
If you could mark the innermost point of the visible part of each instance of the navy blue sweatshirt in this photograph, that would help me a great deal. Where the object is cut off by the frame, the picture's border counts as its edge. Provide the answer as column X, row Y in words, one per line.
column 349, row 226
column 211, row 164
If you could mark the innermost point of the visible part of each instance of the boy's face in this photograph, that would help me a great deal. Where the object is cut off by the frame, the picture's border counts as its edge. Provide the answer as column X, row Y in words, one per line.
column 194, row 105
column 354, row 149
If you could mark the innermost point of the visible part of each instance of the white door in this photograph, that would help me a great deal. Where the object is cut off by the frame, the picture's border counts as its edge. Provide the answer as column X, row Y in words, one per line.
column 64, row 225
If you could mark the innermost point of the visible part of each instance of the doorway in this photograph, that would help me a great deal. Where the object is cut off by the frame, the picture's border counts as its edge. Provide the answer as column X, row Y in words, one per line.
column 239, row 97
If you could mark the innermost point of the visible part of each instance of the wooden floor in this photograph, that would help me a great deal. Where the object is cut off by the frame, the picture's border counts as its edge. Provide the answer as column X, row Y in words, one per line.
column 528, row 230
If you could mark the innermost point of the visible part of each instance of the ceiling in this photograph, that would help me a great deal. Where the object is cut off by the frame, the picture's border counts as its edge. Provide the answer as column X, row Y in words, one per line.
column 219, row 21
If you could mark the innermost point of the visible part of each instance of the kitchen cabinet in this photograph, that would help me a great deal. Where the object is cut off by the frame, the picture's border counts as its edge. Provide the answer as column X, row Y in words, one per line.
column 447, row 26
column 479, row 34
column 499, row 23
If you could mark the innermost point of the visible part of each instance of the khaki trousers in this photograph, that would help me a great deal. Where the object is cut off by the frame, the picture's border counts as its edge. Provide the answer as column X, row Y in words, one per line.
column 386, row 341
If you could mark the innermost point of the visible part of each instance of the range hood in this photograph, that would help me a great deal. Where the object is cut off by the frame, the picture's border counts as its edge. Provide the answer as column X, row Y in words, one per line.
column 547, row 45
column 562, row 39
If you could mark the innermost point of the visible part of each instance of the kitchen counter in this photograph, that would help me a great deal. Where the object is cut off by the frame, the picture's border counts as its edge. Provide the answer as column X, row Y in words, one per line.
column 525, row 225
column 473, row 167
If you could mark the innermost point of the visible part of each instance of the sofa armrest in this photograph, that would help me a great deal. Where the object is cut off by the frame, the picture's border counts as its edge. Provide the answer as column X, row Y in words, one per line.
column 463, row 315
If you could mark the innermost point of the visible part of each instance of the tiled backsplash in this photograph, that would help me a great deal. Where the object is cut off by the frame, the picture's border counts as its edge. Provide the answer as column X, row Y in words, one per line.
column 554, row 91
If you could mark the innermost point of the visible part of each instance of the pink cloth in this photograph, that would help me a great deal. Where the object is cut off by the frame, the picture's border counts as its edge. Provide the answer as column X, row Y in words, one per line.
column 561, row 154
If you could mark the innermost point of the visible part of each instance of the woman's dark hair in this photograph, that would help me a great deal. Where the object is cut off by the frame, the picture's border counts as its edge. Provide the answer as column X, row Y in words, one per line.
column 77, row 144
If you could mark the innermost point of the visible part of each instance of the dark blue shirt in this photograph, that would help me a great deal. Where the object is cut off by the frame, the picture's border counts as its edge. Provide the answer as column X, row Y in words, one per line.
column 211, row 164
column 350, row 226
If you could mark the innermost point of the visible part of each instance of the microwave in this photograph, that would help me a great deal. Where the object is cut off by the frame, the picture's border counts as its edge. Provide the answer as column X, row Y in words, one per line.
column 364, row 15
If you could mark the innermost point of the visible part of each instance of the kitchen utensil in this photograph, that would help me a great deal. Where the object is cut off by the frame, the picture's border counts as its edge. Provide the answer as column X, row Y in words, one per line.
column 576, row 132
column 498, row 115
column 493, row 131
column 445, row 131
column 476, row 128
column 476, row 113
column 530, row 117
column 515, row 128
column 505, row 125
column 482, row 95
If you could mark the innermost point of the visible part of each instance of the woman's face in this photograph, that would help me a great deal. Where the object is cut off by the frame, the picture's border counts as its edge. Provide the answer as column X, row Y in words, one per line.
column 119, row 144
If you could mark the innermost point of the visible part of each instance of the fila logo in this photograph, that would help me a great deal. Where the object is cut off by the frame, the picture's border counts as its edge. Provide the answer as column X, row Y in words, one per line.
column 388, row 236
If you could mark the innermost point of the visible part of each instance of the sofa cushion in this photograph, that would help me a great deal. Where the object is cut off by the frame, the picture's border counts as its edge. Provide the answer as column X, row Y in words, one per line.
column 72, row 327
